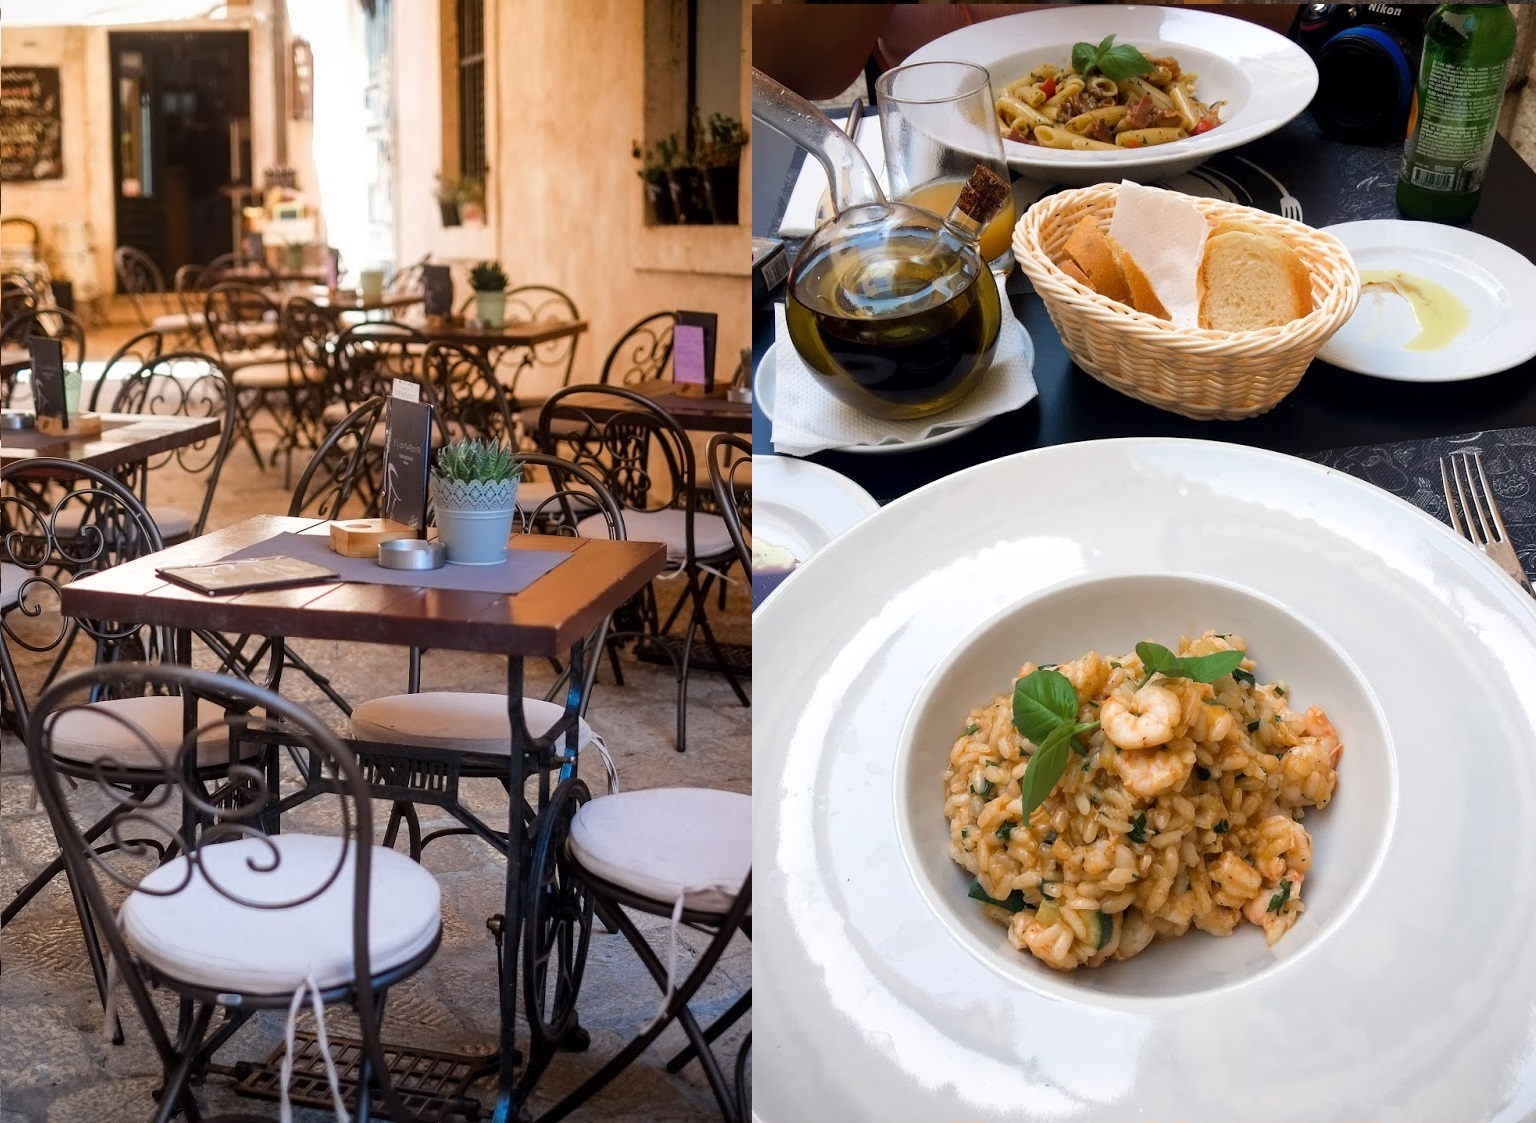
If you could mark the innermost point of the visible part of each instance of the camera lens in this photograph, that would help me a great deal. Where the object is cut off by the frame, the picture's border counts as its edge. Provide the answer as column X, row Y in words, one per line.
column 1365, row 85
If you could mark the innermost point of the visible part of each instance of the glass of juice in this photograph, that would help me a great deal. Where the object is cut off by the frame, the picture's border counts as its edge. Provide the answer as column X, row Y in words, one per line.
column 938, row 122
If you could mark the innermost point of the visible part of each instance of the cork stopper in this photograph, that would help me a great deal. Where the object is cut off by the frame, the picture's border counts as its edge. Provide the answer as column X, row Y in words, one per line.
column 983, row 195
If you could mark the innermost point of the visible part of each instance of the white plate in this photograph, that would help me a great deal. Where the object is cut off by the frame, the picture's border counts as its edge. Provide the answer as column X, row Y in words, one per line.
column 1497, row 284
column 1409, row 995
column 802, row 506
column 1264, row 78
column 764, row 388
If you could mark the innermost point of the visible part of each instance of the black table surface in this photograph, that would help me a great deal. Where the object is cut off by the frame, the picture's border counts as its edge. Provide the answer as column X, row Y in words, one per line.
column 1329, row 409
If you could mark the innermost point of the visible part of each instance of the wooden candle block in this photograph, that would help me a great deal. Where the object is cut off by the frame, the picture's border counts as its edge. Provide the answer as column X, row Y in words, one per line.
column 360, row 538
column 80, row 425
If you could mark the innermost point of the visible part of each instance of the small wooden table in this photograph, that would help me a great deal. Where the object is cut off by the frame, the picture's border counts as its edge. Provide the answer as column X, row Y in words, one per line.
column 125, row 439
column 350, row 300
column 549, row 618
column 522, row 334
column 695, row 409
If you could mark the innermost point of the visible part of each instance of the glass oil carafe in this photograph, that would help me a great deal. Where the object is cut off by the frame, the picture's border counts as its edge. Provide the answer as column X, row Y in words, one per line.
column 891, row 305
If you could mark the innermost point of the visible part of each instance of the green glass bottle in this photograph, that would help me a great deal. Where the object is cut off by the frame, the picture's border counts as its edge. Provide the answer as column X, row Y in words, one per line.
column 1467, row 51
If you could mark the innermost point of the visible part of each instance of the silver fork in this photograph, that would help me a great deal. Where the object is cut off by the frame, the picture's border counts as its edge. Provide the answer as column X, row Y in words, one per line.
column 1480, row 522
column 1290, row 206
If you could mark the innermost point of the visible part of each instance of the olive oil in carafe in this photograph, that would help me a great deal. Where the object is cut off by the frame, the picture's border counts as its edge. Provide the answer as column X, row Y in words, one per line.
column 899, row 327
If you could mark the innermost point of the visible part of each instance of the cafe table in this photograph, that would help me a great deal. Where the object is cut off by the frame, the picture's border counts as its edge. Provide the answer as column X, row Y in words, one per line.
column 351, row 300
column 1330, row 409
column 693, row 407
column 548, row 619
column 125, row 439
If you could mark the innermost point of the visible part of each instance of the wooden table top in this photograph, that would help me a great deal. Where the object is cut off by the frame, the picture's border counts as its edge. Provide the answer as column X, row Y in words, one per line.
column 695, row 409
column 125, row 438
column 523, row 334
column 349, row 300
column 542, row 620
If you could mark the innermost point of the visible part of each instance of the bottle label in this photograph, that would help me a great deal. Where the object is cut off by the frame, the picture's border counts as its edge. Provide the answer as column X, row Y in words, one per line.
column 1457, row 116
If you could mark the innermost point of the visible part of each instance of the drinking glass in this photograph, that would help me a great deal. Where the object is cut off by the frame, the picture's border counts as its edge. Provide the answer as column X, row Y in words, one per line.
column 939, row 121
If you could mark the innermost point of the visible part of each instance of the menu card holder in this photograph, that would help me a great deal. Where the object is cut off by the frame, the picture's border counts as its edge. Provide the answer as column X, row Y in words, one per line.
column 437, row 291
column 49, row 396
column 407, row 447
column 693, row 350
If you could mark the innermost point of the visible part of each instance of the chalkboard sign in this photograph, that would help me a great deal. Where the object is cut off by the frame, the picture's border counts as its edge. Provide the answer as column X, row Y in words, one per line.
column 437, row 290
column 31, row 125
column 693, row 349
column 48, row 378
column 407, row 444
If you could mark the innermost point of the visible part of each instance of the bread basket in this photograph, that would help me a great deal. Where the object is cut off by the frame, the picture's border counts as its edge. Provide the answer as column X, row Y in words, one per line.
column 1197, row 372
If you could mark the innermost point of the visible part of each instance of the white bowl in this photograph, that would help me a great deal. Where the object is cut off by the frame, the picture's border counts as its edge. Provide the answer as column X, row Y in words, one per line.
column 1110, row 615
column 1265, row 79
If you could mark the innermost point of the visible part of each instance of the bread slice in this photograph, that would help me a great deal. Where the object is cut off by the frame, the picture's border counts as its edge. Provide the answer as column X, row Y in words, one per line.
column 1069, row 267
column 1164, row 232
column 1143, row 295
column 1094, row 256
column 1250, row 281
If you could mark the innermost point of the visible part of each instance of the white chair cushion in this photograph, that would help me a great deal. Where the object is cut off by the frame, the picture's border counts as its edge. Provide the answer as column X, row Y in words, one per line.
column 11, row 577
column 172, row 522
column 199, row 936
column 662, row 842
column 710, row 537
column 531, row 493
column 267, row 376
column 88, row 734
column 257, row 356
column 457, row 720
column 178, row 321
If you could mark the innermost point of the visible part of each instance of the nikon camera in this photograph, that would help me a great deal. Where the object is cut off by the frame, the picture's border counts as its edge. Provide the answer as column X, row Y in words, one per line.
column 1367, row 59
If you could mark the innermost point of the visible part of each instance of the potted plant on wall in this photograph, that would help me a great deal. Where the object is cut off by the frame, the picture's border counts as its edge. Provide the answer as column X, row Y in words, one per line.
column 722, row 166
column 472, row 200
column 448, row 201
column 489, row 281
column 654, row 163
column 474, row 498
column 686, row 178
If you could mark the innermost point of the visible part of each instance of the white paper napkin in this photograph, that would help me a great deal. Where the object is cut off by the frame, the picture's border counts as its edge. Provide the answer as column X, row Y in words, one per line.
column 807, row 418
column 800, row 212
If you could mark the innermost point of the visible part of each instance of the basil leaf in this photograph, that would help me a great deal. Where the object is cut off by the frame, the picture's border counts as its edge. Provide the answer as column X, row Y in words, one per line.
column 1209, row 668
column 1222, row 827
column 1042, row 700
column 1045, row 768
column 1156, row 657
column 1123, row 61
column 1083, row 57
column 1107, row 42
column 1005, row 832
column 1138, row 831
column 1014, row 902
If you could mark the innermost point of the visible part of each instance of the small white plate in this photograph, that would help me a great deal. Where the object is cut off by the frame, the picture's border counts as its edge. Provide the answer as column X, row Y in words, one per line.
column 764, row 388
column 1497, row 285
column 802, row 506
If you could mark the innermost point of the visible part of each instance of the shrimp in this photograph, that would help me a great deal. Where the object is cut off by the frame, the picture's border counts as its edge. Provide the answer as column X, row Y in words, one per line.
column 1144, row 720
column 1284, row 846
column 1087, row 675
column 1148, row 773
column 1307, row 776
column 1277, row 922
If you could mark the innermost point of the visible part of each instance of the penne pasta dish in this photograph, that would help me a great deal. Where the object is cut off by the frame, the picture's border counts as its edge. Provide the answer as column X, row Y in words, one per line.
column 1058, row 107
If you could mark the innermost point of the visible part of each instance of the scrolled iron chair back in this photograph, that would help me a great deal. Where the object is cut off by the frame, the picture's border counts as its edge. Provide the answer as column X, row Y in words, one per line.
column 624, row 438
column 137, row 277
column 642, row 353
column 466, row 399
column 371, row 355
column 576, row 494
column 536, row 303
column 50, row 323
column 339, row 471
column 730, row 477
column 53, row 538
column 232, row 309
column 132, row 356
column 185, row 384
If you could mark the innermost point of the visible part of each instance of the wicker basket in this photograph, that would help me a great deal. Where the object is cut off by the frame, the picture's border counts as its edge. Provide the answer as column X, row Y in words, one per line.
column 1200, row 373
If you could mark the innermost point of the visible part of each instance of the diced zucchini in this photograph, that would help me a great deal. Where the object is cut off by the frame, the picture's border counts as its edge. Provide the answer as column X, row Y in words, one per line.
column 1099, row 928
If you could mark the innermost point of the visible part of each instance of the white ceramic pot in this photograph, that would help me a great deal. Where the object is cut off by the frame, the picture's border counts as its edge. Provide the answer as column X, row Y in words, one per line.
column 491, row 308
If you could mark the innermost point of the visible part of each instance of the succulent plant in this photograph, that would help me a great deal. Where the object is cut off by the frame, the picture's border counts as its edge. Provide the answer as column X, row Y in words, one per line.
column 477, row 461
column 487, row 276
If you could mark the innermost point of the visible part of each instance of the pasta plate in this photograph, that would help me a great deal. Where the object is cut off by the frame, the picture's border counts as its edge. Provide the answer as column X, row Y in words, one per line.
column 887, row 998
column 1264, row 79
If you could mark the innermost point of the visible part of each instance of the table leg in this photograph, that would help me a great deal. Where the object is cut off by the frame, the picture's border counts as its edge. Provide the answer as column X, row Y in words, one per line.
column 508, row 1103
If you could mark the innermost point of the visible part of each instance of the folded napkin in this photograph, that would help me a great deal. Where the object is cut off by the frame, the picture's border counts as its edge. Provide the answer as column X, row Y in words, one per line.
column 807, row 418
column 800, row 212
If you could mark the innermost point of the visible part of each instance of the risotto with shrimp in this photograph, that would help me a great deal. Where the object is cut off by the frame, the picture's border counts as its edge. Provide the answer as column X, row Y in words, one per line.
column 1171, row 795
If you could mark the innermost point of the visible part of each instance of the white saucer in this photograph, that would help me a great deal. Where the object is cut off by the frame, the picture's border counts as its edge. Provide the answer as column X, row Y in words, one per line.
column 802, row 506
column 764, row 386
column 1497, row 285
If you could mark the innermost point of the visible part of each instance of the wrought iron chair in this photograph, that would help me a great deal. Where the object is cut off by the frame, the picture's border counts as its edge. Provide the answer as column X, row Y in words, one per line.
column 647, row 461
column 182, row 384
column 642, row 352
column 51, row 323
column 19, row 236
column 682, row 853
column 48, row 543
column 550, row 363
column 243, row 322
column 136, row 352
column 190, row 324
column 234, row 919
column 730, row 477
column 139, row 279
column 367, row 358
